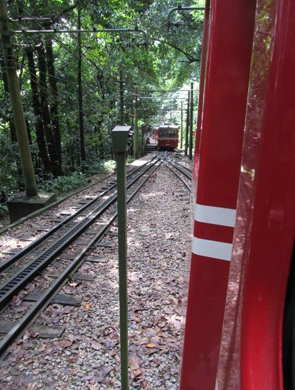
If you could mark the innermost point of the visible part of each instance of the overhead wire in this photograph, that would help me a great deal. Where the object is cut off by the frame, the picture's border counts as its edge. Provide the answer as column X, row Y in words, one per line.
column 41, row 30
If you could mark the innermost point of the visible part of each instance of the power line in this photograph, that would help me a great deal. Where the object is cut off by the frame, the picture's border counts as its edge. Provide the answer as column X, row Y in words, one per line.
column 159, row 97
column 76, row 31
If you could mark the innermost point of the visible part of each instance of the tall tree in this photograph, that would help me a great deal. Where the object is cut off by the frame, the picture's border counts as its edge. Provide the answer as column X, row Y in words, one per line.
column 55, row 166
column 17, row 105
column 80, row 92
column 37, row 110
column 54, row 102
column 6, row 98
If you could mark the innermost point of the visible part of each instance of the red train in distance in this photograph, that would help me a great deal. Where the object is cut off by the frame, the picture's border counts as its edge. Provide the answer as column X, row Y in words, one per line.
column 167, row 136
column 239, row 332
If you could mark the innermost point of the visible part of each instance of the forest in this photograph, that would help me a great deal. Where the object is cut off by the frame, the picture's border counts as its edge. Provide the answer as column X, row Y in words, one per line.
column 84, row 67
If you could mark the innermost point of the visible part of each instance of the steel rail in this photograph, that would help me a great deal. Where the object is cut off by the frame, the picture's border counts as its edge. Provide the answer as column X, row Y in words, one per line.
column 186, row 171
column 179, row 177
column 28, row 272
column 34, row 245
column 52, row 205
column 183, row 166
column 45, row 299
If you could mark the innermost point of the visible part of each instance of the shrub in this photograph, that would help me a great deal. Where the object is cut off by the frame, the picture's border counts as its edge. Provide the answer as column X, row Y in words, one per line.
column 62, row 184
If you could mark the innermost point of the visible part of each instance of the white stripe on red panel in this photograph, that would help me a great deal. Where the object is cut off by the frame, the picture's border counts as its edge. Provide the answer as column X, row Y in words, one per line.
column 214, row 249
column 215, row 215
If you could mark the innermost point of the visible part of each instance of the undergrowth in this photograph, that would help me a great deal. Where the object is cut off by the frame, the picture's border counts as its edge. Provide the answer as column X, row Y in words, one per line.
column 61, row 184
column 3, row 210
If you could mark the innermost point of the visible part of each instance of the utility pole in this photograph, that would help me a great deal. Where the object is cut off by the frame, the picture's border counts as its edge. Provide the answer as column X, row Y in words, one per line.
column 136, row 135
column 181, row 124
column 120, row 142
column 190, row 155
column 187, row 123
column 17, row 105
column 80, row 93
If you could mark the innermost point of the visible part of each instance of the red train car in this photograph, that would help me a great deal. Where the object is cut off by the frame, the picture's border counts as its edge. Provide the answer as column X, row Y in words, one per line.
column 239, row 331
column 167, row 136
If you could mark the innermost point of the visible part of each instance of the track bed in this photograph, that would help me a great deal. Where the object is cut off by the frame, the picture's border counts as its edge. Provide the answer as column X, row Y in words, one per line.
column 87, row 353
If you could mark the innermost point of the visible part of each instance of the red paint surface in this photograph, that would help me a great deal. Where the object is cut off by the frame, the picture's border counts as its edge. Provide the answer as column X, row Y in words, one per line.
column 266, row 209
column 164, row 142
column 203, row 316
column 209, row 231
column 167, row 143
column 225, row 94
column 273, row 217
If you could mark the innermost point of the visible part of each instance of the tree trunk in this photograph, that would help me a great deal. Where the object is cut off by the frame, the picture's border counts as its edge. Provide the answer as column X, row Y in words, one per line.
column 37, row 111
column 54, row 100
column 54, row 162
column 17, row 105
column 6, row 100
column 9, row 118
column 80, row 94
column 29, row 132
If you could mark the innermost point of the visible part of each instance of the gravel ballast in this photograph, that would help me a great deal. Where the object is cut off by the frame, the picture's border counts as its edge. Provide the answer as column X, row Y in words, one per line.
column 87, row 354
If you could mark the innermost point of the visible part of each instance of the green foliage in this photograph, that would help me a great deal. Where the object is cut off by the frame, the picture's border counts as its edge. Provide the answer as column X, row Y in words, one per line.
column 164, row 59
column 130, row 159
column 63, row 184
column 8, row 167
column 3, row 210
column 109, row 165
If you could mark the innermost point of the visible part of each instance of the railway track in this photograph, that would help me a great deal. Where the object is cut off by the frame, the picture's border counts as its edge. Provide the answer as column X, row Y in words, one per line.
column 62, row 250
column 87, row 206
column 183, row 173
column 83, row 200
column 59, row 246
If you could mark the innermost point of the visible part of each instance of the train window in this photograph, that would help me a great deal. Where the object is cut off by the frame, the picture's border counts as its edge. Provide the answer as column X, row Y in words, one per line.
column 164, row 132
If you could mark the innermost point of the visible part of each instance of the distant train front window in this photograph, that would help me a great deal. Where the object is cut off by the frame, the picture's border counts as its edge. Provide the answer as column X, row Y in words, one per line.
column 168, row 132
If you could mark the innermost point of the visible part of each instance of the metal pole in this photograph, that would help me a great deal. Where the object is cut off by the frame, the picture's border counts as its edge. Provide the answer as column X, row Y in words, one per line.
column 190, row 156
column 181, row 8
column 181, row 125
column 136, row 136
column 122, row 243
column 187, row 123
column 17, row 106
column 120, row 140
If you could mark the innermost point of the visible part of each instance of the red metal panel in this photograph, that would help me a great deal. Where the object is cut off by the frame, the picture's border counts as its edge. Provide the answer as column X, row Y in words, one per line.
column 167, row 140
column 227, row 74
column 266, row 208
column 274, row 214
column 215, row 232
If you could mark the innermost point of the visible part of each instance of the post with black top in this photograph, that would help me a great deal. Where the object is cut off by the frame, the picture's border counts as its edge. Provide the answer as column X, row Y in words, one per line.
column 120, row 145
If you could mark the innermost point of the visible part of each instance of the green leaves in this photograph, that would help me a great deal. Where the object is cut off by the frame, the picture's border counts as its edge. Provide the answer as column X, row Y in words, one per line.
column 167, row 59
